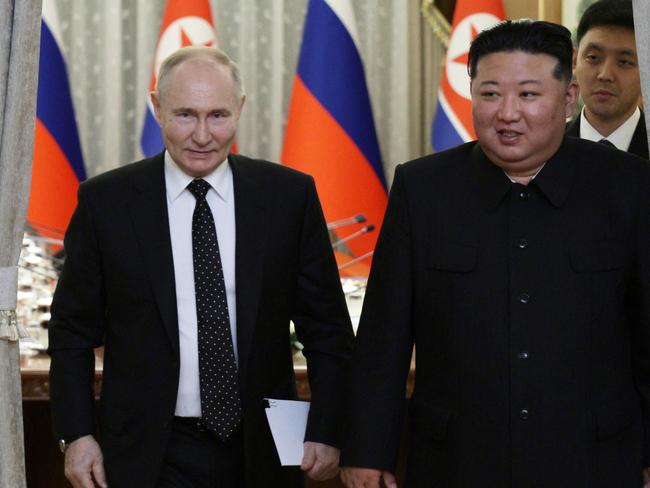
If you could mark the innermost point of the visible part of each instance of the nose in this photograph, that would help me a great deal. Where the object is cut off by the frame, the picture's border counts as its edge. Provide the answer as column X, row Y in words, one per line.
column 509, row 108
column 606, row 70
column 201, row 133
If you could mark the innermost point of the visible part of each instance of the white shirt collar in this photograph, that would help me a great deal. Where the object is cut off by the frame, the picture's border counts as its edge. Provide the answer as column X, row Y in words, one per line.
column 177, row 180
column 621, row 137
column 512, row 180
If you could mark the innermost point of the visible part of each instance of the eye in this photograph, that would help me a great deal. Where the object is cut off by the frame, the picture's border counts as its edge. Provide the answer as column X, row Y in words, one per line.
column 528, row 94
column 592, row 58
column 489, row 94
column 627, row 63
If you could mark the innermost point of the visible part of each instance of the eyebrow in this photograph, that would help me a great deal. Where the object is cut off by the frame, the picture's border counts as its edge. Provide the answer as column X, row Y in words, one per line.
column 183, row 109
column 522, row 82
column 601, row 47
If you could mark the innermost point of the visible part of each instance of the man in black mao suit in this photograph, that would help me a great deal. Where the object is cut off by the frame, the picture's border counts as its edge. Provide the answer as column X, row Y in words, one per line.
column 606, row 68
column 128, row 284
column 518, row 266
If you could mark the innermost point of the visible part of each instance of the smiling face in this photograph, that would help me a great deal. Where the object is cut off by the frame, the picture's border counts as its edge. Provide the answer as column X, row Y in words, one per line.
column 519, row 109
column 198, row 112
column 607, row 71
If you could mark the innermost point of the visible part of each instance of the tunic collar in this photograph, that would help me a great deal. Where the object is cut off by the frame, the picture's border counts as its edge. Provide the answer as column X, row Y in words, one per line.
column 554, row 180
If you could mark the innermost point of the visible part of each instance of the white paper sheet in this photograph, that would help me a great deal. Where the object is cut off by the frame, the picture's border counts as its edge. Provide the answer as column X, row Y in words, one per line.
column 288, row 422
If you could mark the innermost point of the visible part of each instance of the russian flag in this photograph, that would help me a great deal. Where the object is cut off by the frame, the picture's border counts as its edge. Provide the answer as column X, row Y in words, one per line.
column 452, row 124
column 330, row 130
column 185, row 23
column 57, row 167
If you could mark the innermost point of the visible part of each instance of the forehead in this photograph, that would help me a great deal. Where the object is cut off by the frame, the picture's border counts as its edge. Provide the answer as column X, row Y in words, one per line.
column 609, row 38
column 202, row 69
column 198, row 81
column 515, row 66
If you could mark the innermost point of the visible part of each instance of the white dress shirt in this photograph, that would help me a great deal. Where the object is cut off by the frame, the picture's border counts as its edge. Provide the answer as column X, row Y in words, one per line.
column 621, row 137
column 180, row 207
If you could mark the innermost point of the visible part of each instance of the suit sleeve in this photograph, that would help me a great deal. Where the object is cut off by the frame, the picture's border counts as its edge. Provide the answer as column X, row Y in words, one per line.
column 383, row 346
column 322, row 325
column 76, row 328
column 640, row 310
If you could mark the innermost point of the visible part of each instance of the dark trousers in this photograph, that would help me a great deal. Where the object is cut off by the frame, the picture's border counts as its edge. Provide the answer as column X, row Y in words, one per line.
column 197, row 458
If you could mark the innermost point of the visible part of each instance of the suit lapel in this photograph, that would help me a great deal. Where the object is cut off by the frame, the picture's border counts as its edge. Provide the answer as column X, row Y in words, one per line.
column 151, row 223
column 251, row 234
column 639, row 142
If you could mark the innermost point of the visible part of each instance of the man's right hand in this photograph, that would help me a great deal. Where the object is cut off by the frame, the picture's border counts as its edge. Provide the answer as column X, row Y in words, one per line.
column 367, row 478
column 84, row 464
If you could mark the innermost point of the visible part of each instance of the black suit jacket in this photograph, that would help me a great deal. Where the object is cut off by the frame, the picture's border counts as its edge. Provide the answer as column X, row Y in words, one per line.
column 638, row 144
column 529, row 308
column 117, row 289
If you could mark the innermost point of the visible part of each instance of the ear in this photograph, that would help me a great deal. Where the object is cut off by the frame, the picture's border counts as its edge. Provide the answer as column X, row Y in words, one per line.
column 571, row 98
column 241, row 103
column 156, row 105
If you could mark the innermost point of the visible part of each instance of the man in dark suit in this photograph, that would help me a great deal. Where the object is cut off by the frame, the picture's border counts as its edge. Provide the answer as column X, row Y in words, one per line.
column 606, row 68
column 188, row 267
column 518, row 266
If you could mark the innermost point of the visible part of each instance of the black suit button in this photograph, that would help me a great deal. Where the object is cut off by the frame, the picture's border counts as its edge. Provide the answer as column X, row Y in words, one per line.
column 522, row 355
column 523, row 414
column 524, row 195
column 522, row 243
column 524, row 298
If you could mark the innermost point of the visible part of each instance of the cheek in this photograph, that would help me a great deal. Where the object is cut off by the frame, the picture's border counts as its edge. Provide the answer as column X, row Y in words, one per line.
column 631, row 79
column 177, row 132
column 585, row 73
column 481, row 116
column 223, row 130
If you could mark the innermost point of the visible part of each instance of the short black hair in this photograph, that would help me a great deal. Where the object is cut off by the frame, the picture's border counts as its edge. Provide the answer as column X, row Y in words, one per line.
column 606, row 12
column 529, row 36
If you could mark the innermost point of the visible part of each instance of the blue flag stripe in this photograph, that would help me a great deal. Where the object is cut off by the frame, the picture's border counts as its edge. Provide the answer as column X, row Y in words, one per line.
column 151, row 139
column 54, row 103
column 443, row 133
column 331, row 68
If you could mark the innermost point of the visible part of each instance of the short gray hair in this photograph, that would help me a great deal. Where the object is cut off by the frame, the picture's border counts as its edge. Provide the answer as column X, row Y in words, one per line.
column 199, row 52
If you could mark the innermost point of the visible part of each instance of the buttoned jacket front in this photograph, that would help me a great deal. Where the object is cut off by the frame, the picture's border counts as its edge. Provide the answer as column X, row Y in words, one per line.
column 529, row 308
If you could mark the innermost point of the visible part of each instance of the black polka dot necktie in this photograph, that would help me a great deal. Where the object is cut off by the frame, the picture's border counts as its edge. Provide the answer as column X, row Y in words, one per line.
column 220, row 403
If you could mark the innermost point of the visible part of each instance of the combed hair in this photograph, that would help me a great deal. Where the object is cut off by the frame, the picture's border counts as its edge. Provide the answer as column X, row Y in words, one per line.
column 606, row 12
column 199, row 52
column 530, row 36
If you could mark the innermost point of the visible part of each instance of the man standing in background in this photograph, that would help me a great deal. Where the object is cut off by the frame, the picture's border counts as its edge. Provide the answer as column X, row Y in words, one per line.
column 606, row 68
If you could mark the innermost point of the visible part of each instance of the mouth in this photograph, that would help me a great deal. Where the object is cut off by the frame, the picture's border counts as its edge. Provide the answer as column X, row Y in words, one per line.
column 199, row 152
column 508, row 136
column 603, row 94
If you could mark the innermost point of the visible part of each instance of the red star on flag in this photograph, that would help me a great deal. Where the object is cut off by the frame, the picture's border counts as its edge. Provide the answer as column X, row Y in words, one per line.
column 186, row 41
column 464, row 58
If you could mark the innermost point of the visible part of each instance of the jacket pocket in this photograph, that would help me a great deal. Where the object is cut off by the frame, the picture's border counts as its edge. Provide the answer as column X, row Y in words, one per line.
column 451, row 256
column 597, row 256
column 613, row 417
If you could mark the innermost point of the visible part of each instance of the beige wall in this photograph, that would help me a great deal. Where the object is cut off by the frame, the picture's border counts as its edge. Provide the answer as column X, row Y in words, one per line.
column 550, row 10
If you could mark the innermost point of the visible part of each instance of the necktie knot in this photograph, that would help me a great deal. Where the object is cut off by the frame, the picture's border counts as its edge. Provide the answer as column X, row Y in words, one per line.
column 605, row 142
column 199, row 188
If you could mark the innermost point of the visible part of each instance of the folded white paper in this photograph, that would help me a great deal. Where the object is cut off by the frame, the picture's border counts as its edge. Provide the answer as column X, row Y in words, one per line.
column 288, row 422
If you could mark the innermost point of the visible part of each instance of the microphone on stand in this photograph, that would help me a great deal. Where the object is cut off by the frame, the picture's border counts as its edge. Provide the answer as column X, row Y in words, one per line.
column 356, row 260
column 363, row 230
column 357, row 219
